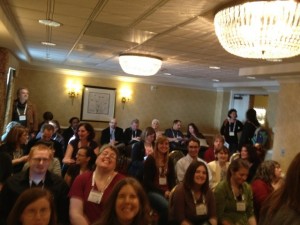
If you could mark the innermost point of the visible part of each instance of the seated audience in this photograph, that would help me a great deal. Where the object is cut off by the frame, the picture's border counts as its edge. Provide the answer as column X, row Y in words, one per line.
column 33, row 206
column 155, row 126
column 176, row 137
column 192, row 201
column 159, row 178
column 15, row 145
column 47, row 132
column 113, row 135
column 282, row 207
column 140, row 151
column 90, row 191
column 71, row 130
column 127, row 205
column 85, row 161
column 230, row 129
column 267, row 179
column 132, row 134
column 84, row 137
column 193, row 146
column 219, row 167
column 234, row 199
column 248, row 153
column 210, row 153
column 37, row 175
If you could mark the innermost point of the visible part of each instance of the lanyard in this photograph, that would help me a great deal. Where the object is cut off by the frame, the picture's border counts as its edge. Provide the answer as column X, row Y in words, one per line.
column 233, row 127
column 175, row 136
column 107, row 182
column 235, row 198
column 195, row 200
column 162, row 171
column 24, row 113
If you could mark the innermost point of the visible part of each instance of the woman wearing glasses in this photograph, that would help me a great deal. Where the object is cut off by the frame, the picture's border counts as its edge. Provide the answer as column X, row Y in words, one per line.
column 90, row 190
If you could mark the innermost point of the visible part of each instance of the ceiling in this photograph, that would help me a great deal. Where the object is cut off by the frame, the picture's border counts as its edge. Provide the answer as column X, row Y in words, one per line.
column 95, row 32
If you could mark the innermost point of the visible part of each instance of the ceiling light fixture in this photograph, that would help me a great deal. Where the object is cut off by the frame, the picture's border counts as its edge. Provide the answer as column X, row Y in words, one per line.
column 139, row 64
column 50, row 23
column 214, row 67
column 260, row 29
column 48, row 43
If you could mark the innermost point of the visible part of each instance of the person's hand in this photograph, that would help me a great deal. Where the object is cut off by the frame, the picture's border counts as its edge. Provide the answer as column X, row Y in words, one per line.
column 69, row 161
column 167, row 194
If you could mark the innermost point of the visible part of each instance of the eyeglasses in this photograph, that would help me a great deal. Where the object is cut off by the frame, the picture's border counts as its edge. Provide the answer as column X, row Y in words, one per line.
column 38, row 160
column 109, row 155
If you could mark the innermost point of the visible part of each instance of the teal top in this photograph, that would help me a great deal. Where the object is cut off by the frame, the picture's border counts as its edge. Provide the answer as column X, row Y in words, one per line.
column 227, row 207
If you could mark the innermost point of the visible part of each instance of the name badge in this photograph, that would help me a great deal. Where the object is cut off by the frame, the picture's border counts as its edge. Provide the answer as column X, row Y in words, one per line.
column 231, row 133
column 201, row 209
column 95, row 196
column 22, row 118
column 162, row 180
column 241, row 206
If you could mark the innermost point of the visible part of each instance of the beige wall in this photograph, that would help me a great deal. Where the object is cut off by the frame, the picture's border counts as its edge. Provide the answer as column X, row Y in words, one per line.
column 286, row 139
column 48, row 91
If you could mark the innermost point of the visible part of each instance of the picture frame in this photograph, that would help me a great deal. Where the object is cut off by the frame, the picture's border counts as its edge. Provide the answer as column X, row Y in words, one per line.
column 98, row 103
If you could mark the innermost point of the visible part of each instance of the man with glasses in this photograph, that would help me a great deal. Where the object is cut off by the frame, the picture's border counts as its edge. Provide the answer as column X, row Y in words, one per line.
column 193, row 146
column 37, row 175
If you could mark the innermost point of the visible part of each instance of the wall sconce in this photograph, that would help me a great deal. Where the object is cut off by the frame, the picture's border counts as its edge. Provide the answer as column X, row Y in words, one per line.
column 73, row 90
column 124, row 100
column 126, row 94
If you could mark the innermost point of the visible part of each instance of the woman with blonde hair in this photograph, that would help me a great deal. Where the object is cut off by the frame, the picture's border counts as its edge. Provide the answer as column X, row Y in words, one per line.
column 159, row 178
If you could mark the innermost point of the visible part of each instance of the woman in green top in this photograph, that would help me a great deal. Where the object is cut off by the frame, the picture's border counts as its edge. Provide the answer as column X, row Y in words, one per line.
column 233, row 196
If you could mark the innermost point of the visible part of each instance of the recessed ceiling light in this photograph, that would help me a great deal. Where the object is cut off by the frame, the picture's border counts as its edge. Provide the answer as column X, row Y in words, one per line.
column 215, row 80
column 251, row 78
column 215, row 67
column 167, row 74
column 50, row 23
column 48, row 43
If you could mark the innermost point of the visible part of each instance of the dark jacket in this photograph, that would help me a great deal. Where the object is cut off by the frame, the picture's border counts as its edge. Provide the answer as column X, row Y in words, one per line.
column 105, row 136
column 18, row 183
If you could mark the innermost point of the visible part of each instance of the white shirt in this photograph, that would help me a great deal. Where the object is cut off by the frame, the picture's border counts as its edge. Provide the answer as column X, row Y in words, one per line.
column 183, row 164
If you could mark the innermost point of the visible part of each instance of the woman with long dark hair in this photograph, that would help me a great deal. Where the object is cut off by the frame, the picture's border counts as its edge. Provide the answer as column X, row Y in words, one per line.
column 127, row 205
column 34, row 206
column 192, row 201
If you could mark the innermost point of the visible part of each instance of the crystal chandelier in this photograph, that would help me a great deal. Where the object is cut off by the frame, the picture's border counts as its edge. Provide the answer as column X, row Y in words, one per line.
column 138, row 64
column 260, row 29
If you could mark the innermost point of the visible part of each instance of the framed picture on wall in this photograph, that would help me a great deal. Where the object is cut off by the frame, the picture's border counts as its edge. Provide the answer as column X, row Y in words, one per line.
column 98, row 103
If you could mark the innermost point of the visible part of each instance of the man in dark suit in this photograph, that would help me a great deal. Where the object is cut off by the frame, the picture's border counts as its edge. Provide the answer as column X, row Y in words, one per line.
column 132, row 134
column 113, row 135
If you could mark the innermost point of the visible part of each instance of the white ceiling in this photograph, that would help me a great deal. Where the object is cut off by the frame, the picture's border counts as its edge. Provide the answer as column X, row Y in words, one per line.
column 95, row 32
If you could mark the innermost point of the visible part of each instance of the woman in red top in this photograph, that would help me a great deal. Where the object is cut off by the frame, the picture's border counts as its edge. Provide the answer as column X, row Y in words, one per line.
column 267, row 179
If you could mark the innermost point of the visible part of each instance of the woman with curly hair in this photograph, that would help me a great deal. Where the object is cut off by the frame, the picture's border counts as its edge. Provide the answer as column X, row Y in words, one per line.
column 267, row 179
column 283, row 205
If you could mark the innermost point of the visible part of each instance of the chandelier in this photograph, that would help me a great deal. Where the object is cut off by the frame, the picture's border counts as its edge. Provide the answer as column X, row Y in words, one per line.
column 139, row 64
column 260, row 29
